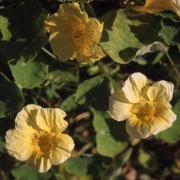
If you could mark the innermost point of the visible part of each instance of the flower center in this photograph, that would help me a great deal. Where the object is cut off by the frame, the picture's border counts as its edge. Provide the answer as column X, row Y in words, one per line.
column 44, row 142
column 144, row 111
column 78, row 31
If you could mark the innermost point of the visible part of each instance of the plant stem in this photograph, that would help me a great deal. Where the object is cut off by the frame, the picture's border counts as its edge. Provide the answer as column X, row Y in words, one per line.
column 49, row 53
column 84, row 149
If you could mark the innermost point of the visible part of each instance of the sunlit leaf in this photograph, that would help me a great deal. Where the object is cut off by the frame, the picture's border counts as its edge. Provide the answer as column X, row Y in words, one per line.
column 29, row 74
column 126, row 33
column 84, row 166
column 111, row 137
column 4, row 24
column 25, row 172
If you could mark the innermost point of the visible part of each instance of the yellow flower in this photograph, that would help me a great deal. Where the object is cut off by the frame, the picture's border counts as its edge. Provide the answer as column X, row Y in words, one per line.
column 38, row 138
column 73, row 35
column 155, row 6
column 146, row 108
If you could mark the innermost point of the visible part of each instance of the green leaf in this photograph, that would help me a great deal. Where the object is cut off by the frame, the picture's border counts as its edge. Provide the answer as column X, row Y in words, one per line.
column 25, row 172
column 92, row 92
column 144, row 158
column 61, row 76
column 69, row 103
column 126, row 33
column 26, row 23
column 111, row 137
column 172, row 134
column 118, row 41
column 11, row 98
column 4, row 24
column 168, row 32
column 85, row 166
column 29, row 74
column 62, row 72
column 87, row 87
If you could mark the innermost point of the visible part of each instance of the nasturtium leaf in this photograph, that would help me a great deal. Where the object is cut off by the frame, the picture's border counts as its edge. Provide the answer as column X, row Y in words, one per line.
column 87, row 87
column 62, row 71
column 11, row 98
column 4, row 29
column 107, row 145
column 118, row 41
column 125, row 33
column 144, row 158
column 86, row 166
column 25, row 172
column 172, row 134
column 26, row 23
column 69, row 103
column 29, row 74
column 169, row 32
column 93, row 92
column 61, row 76
column 111, row 136
column 99, row 121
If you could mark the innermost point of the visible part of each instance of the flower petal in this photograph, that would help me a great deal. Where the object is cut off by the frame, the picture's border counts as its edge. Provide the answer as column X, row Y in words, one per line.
column 94, row 55
column 63, row 149
column 134, row 86
column 72, row 9
column 26, row 116
column 63, row 46
column 138, row 129
column 164, row 121
column 176, row 6
column 50, row 119
column 155, row 6
column 42, row 164
column 51, row 23
column 91, row 52
column 119, row 110
column 169, row 88
column 73, row 35
column 160, row 90
column 19, row 144
column 94, row 30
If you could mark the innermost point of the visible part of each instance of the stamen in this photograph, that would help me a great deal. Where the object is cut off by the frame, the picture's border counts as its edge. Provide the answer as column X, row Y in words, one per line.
column 43, row 143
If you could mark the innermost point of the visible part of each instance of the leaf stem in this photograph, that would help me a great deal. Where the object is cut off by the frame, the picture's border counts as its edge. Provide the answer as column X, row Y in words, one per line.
column 84, row 149
column 49, row 53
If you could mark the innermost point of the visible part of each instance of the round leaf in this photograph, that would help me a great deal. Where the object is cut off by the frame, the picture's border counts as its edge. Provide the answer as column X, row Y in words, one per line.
column 11, row 98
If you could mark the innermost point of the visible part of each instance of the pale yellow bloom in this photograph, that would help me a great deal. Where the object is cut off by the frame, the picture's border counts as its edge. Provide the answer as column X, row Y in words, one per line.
column 38, row 138
column 73, row 35
column 155, row 6
column 145, row 107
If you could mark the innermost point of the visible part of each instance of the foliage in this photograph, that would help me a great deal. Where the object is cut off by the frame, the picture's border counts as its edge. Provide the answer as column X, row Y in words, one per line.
column 31, row 73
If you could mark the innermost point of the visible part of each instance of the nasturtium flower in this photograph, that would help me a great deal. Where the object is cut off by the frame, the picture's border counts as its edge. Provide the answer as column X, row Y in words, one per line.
column 38, row 137
column 73, row 35
column 155, row 6
column 145, row 107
